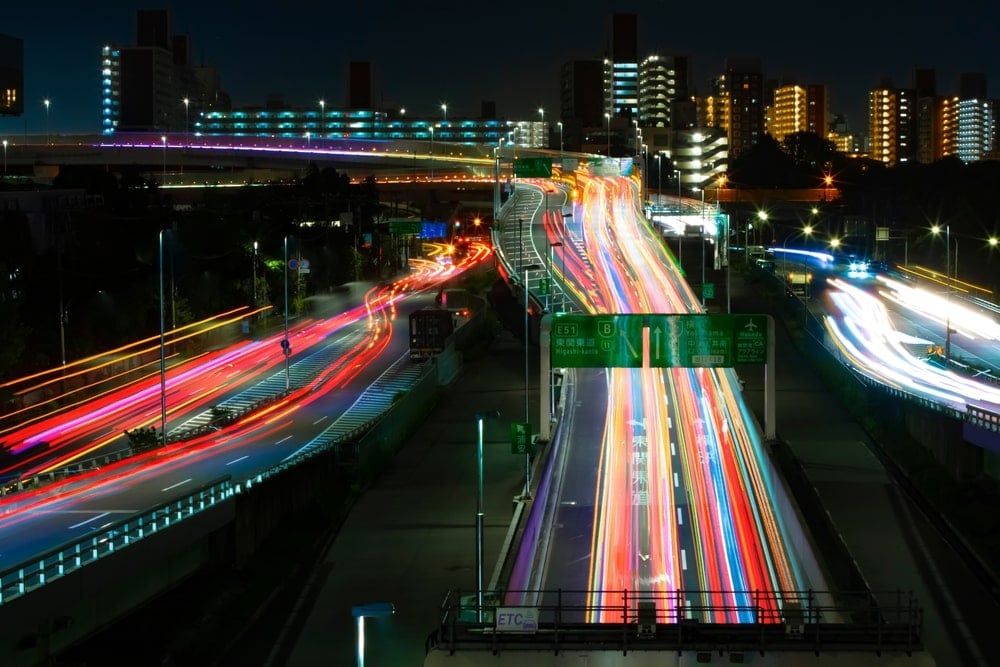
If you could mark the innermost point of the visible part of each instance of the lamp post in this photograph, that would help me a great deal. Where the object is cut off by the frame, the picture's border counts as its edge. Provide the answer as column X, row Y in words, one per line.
column 560, row 143
column 432, row 151
column 4, row 157
column 322, row 118
column 480, row 512
column 286, row 346
column 371, row 610
column 608, row 117
column 541, row 113
column 163, row 353
column 659, row 177
column 827, row 181
column 444, row 113
column 163, row 139
column 187, row 103
column 936, row 229
column 46, row 102
column 254, row 276
column 527, row 302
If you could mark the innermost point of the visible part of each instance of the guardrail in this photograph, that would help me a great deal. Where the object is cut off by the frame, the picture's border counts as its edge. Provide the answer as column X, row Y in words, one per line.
column 676, row 620
column 68, row 558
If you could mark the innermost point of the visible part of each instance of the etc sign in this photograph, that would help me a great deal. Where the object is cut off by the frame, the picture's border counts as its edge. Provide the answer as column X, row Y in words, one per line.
column 516, row 619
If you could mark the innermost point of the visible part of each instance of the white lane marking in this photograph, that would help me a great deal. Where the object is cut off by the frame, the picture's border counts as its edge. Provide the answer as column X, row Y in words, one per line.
column 174, row 486
column 287, row 437
column 320, row 419
column 238, row 460
column 673, row 449
column 677, row 481
column 684, row 560
column 680, row 517
column 93, row 518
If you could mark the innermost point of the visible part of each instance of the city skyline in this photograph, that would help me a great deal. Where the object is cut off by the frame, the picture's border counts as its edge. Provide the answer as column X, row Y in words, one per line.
column 261, row 53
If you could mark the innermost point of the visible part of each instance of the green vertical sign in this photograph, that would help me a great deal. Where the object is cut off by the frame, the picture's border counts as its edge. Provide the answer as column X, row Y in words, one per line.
column 520, row 438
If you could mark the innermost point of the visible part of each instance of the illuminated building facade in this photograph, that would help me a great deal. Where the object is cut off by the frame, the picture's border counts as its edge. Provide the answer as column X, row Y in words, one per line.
column 111, row 87
column 663, row 81
column 11, row 76
column 891, row 125
column 621, row 67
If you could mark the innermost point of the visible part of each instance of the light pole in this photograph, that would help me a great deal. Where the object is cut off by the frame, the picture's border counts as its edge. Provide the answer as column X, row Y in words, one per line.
column 936, row 229
column 286, row 346
column 46, row 102
column 541, row 113
column 164, row 140
column 322, row 118
column 444, row 113
column 371, row 610
column 827, row 181
column 163, row 353
column 480, row 512
column 659, row 176
column 187, row 104
column 527, row 459
column 4, row 157
column 608, row 117
column 560, row 143
column 308, row 139
column 254, row 277
column 432, row 151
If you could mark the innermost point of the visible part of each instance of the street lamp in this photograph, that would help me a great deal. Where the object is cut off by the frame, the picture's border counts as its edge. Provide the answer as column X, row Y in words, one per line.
column 936, row 229
column 187, row 103
column 480, row 512
column 659, row 177
column 827, row 181
column 608, row 117
column 163, row 353
column 308, row 139
column 164, row 140
column 4, row 157
column 444, row 112
column 254, row 278
column 46, row 102
column 560, row 143
column 432, row 152
column 527, row 302
column 286, row 346
column 322, row 118
column 371, row 610
column 541, row 113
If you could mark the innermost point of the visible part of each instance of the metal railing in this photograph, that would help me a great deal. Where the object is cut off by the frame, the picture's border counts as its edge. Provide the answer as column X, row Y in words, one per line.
column 40, row 570
column 559, row 620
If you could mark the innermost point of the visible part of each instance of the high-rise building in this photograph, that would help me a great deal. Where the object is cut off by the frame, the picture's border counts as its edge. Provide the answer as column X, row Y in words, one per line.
column 581, row 104
column 153, row 86
column 11, row 76
column 110, row 88
column 798, row 109
column 742, row 87
column 663, row 80
column 892, row 124
column 926, row 114
column 621, row 73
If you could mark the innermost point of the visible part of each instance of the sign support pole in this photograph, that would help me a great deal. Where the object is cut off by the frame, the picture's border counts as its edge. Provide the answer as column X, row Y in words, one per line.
column 770, row 428
column 545, row 376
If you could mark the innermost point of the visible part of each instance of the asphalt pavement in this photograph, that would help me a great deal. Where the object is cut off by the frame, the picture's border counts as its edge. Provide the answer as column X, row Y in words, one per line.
column 411, row 536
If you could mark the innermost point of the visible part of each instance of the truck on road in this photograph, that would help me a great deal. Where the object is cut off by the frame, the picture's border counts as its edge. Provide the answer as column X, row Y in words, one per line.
column 429, row 331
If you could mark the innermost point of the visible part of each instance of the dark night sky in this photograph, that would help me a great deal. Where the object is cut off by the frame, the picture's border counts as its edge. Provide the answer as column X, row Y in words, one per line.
column 461, row 53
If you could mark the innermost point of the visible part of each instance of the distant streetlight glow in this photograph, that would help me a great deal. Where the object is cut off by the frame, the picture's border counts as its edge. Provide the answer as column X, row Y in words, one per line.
column 46, row 102
column 322, row 118
column 444, row 112
column 608, row 117
column 187, row 103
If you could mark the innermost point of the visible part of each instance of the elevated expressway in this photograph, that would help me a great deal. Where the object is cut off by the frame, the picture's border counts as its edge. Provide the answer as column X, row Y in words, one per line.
column 658, row 509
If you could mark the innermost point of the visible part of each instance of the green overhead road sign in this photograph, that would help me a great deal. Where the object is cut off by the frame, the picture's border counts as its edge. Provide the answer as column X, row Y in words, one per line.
column 533, row 167
column 404, row 226
column 675, row 341
column 597, row 341
column 707, row 341
column 708, row 291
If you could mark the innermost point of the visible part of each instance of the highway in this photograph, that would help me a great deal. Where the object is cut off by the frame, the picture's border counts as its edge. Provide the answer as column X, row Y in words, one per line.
column 663, row 485
column 334, row 361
